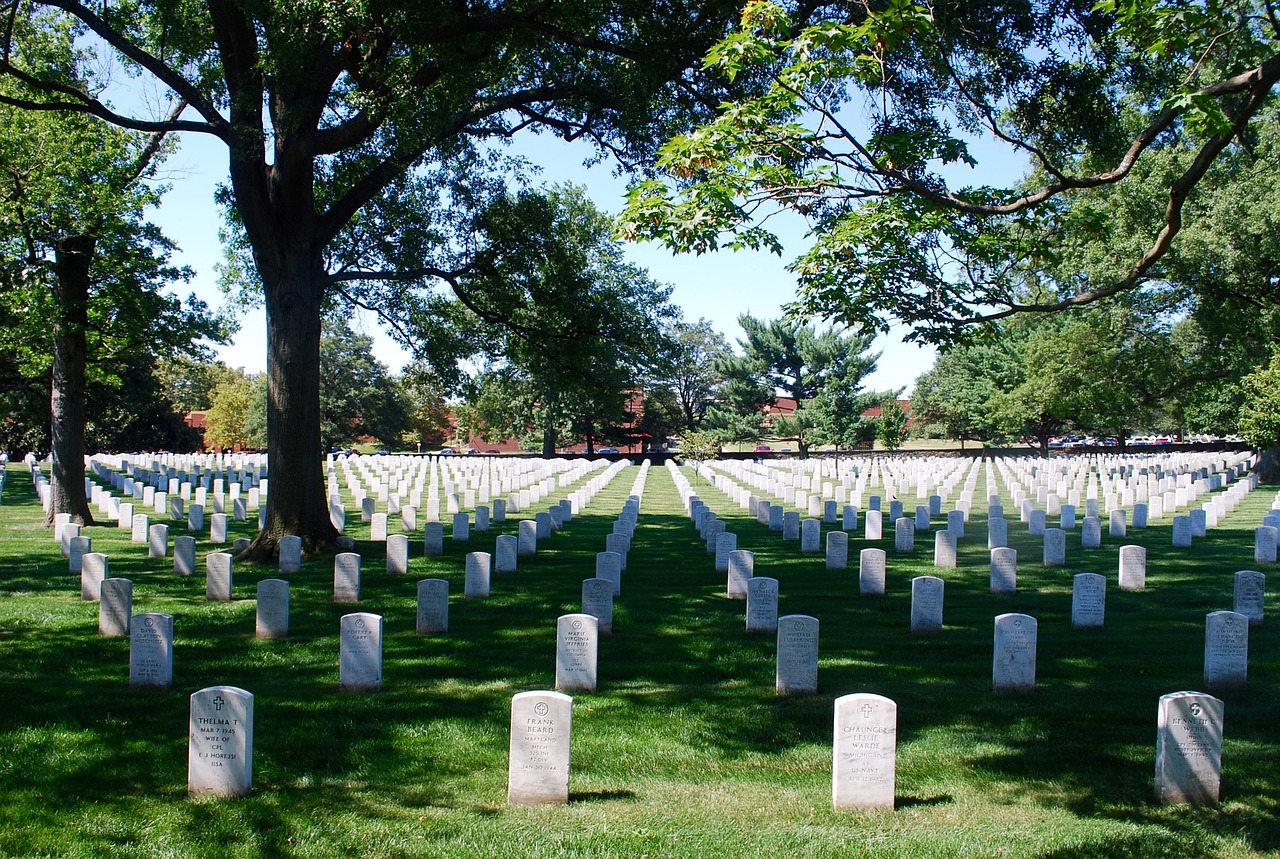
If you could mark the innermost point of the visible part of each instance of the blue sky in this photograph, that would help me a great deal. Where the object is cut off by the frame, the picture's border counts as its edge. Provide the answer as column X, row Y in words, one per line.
column 718, row 287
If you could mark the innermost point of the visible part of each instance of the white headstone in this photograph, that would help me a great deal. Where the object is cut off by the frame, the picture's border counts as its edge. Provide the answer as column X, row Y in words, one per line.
column 290, row 553
column 837, row 550
column 1182, row 532
column 797, row 670
column 1055, row 547
column 433, row 539
column 1133, row 568
column 874, row 527
column 1013, row 664
column 541, row 728
column 944, row 550
column 726, row 543
column 1004, row 570
column 158, row 541
column 505, row 552
column 1189, row 749
column 115, row 607
column 742, row 564
column 1264, row 544
column 904, row 535
column 360, row 653
column 864, row 752
column 577, row 643
column 1226, row 650
column 871, row 571
column 94, row 568
column 597, row 601
column 609, row 566
column 218, row 529
column 811, row 536
column 433, row 606
column 273, row 609
column 476, row 582
column 926, row 605
column 997, row 533
column 1088, row 601
column 527, row 538
column 220, row 745
column 184, row 555
column 762, row 604
column 1091, row 533
column 151, row 650
column 346, row 577
column 1250, row 595
column 219, row 571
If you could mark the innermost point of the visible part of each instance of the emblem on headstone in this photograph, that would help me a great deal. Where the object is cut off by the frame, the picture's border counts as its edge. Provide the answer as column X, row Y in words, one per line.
column 540, row 708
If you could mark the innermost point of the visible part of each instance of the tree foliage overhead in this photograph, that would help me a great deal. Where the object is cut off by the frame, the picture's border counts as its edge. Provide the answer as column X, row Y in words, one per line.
column 872, row 113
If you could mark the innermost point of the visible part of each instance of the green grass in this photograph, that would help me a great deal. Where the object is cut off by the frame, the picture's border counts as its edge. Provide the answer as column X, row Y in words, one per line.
column 685, row 751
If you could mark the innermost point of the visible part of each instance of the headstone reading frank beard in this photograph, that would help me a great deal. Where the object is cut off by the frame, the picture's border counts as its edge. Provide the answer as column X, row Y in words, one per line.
column 220, row 744
column 1189, row 749
column 864, row 752
column 541, row 727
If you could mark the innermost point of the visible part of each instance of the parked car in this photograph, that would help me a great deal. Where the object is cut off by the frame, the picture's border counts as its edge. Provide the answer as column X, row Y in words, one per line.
column 607, row 450
column 763, row 448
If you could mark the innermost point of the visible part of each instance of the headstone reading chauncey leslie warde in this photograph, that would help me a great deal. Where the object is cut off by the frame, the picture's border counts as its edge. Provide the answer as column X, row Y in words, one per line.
column 864, row 752
column 220, row 744
column 541, row 728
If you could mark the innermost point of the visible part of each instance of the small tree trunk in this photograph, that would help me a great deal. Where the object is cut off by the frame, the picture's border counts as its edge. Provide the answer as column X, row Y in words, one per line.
column 297, row 502
column 72, row 259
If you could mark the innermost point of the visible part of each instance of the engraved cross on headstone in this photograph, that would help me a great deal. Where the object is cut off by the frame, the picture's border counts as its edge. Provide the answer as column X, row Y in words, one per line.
column 867, row 710
column 217, row 703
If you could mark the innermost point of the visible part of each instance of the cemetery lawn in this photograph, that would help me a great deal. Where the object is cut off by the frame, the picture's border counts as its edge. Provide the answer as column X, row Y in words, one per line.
column 685, row 751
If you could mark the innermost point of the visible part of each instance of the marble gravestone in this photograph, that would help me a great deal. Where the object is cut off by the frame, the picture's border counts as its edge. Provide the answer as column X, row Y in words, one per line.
column 577, row 647
column 1249, row 595
column 1226, row 650
column 273, row 609
column 1004, row 570
column 360, row 652
column 1189, row 749
column 762, row 604
column 115, row 608
column 926, row 605
column 740, row 572
column 477, row 576
column 538, row 768
column 864, row 753
column 151, row 651
column 433, row 607
column 346, row 577
column 505, row 552
column 597, row 601
column 609, row 566
column 219, row 570
column 837, row 550
column 1013, row 664
column 1133, row 568
column 1088, row 601
column 220, row 743
column 94, row 569
column 871, row 571
column 797, row 667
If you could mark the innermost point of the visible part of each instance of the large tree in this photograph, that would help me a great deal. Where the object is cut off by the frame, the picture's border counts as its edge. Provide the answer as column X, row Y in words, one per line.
column 873, row 113
column 358, row 395
column 81, row 270
column 819, row 371
column 355, row 136
column 691, row 371
column 579, row 329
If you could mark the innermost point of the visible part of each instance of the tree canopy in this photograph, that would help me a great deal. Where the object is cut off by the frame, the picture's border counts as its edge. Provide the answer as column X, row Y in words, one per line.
column 871, row 118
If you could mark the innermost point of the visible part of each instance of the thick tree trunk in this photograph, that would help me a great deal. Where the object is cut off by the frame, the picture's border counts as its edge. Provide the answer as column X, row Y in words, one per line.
column 72, row 259
column 297, row 502
column 1268, row 467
